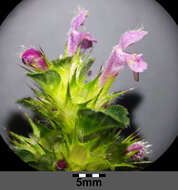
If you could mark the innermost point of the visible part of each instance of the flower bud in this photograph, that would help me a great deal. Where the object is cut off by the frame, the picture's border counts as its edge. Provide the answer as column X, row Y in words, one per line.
column 61, row 165
column 34, row 58
column 141, row 149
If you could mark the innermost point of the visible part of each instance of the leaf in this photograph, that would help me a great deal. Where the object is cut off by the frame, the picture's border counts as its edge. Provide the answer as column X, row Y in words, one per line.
column 124, row 165
column 25, row 155
column 91, row 88
column 48, row 137
column 118, row 113
column 108, row 98
column 62, row 62
column 36, row 131
column 23, row 143
column 26, row 102
column 91, row 121
column 116, row 153
column 49, row 80
column 98, row 165
column 44, row 163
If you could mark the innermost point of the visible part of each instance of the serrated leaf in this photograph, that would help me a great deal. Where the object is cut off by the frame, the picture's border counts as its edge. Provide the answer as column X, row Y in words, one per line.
column 118, row 113
column 91, row 121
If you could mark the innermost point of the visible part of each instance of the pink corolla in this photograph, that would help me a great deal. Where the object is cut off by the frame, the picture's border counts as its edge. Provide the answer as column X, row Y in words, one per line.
column 141, row 150
column 34, row 59
column 79, row 39
column 120, row 58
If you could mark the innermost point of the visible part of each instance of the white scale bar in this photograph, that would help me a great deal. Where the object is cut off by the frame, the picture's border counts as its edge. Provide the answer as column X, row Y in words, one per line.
column 82, row 175
column 95, row 175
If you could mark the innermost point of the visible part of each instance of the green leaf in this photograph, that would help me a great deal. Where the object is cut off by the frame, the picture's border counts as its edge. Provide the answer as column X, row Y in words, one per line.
column 116, row 153
column 26, row 102
column 108, row 98
column 48, row 137
column 118, row 113
column 25, row 155
column 125, row 165
column 36, row 131
column 49, row 80
column 45, row 163
column 90, row 121
column 62, row 62
column 98, row 165
column 91, row 89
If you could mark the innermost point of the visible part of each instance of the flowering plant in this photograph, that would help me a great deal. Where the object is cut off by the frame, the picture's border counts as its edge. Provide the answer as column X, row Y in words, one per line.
column 80, row 127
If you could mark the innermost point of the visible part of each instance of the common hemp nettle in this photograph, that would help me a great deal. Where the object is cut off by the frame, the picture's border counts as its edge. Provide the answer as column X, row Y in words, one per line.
column 78, row 127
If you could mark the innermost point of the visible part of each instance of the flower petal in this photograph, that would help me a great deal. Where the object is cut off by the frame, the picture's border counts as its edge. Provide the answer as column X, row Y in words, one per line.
column 73, row 42
column 76, row 38
column 131, row 37
column 87, row 41
column 79, row 20
column 136, row 63
column 115, row 65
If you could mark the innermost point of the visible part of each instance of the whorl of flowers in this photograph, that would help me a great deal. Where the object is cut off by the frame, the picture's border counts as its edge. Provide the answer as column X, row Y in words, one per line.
column 79, row 128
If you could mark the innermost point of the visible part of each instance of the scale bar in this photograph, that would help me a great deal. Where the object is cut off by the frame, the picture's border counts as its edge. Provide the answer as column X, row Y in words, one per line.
column 93, row 175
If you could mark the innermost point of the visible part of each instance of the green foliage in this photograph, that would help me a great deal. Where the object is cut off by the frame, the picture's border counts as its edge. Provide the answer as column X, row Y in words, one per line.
column 118, row 113
column 74, row 123
column 91, row 121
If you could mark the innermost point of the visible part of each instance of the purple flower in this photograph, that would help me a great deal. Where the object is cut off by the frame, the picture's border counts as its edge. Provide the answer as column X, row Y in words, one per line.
column 79, row 20
column 34, row 58
column 61, row 165
column 141, row 149
column 79, row 39
column 120, row 58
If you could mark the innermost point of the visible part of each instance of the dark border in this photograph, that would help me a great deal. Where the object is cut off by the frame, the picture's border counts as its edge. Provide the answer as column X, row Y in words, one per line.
column 10, row 162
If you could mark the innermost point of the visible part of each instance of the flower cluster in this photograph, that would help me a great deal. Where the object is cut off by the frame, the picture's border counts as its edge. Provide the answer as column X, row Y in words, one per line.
column 81, row 128
column 119, row 57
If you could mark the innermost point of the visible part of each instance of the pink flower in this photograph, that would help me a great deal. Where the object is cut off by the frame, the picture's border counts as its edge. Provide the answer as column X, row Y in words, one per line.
column 34, row 58
column 79, row 39
column 79, row 20
column 141, row 149
column 120, row 58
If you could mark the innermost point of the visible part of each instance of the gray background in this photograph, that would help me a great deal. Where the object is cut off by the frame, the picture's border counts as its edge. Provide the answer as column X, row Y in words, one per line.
column 153, row 104
column 113, row 181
